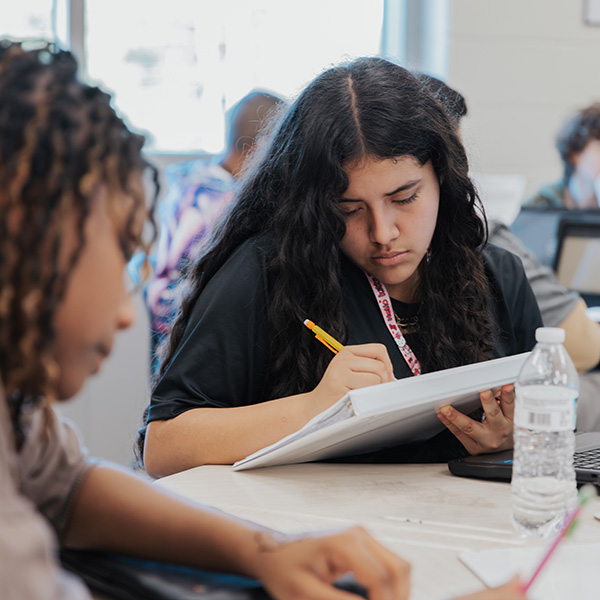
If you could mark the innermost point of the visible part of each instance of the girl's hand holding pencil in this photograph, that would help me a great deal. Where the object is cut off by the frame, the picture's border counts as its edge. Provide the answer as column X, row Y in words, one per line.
column 351, row 368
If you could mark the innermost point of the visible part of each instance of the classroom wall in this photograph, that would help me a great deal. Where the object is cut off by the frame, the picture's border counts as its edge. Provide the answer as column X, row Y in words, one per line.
column 523, row 66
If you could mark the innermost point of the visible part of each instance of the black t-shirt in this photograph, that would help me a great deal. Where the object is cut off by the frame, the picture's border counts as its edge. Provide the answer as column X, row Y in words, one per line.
column 221, row 360
column 513, row 308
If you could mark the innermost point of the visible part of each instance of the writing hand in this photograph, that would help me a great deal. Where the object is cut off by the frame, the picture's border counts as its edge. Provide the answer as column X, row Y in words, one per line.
column 306, row 568
column 494, row 433
column 351, row 368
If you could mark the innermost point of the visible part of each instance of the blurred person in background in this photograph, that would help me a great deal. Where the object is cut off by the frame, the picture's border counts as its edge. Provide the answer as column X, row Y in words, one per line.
column 198, row 193
column 578, row 143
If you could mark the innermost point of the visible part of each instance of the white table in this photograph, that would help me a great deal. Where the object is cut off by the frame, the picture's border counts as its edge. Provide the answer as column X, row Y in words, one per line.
column 422, row 512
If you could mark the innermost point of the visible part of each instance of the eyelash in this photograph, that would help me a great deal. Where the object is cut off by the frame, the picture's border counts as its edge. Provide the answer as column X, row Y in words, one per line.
column 405, row 201
column 349, row 213
column 408, row 200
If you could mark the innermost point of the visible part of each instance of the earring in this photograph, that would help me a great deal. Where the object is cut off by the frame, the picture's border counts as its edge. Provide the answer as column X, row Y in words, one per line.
column 428, row 255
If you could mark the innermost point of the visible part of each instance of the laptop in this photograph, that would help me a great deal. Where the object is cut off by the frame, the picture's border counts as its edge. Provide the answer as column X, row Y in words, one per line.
column 498, row 465
column 538, row 229
column 577, row 259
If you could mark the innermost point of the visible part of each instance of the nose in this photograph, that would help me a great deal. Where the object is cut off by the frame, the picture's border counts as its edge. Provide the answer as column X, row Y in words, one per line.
column 383, row 227
column 126, row 312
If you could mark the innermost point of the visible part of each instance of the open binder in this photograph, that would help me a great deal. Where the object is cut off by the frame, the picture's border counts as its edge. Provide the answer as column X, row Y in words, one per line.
column 388, row 414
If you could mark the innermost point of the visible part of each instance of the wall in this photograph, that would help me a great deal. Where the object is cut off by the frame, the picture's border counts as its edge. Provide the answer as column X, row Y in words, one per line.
column 523, row 66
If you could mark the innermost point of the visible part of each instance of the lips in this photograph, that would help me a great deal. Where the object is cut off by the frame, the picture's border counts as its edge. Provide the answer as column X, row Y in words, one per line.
column 103, row 350
column 389, row 259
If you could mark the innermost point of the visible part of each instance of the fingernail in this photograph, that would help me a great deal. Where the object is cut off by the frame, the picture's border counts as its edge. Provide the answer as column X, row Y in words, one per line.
column 446, row 411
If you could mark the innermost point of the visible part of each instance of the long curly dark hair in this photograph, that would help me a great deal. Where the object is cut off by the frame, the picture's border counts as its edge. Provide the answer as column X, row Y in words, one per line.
column 368, row 108
column 59, row 140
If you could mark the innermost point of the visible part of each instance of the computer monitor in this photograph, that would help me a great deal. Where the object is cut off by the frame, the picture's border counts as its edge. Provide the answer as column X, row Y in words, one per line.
column 537, row 229
column 577, row 259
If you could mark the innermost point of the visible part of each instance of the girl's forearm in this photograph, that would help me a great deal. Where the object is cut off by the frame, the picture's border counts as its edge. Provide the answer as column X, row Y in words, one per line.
column 221, row 435
column 117, row 511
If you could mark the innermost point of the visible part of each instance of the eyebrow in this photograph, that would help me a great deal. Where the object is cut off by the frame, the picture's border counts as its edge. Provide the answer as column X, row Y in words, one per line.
column 402, row 188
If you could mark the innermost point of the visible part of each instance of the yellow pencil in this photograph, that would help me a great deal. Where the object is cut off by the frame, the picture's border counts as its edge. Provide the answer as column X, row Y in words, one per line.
column 324, row 337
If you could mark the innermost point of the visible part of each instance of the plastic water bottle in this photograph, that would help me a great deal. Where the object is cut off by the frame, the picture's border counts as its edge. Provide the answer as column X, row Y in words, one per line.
column 543, row 488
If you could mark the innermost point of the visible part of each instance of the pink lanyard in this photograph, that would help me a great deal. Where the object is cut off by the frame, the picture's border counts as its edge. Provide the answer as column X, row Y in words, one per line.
column 387, row 312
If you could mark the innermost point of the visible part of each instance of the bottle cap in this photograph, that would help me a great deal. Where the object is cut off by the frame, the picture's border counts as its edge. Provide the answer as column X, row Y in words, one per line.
column 550, row 335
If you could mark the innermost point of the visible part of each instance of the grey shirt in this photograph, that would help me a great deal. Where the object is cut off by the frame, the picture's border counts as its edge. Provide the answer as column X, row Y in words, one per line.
column 556, row 303
column 38, row 487
column 554, row 300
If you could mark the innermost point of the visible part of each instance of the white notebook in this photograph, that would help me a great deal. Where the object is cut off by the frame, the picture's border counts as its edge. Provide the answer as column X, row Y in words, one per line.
column 388, row 414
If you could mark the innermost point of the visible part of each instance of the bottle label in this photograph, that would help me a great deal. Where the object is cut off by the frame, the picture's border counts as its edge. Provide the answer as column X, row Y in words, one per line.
column 545, row 408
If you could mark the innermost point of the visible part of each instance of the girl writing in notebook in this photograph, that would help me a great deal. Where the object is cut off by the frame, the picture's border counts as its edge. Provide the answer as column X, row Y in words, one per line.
column 72, row 209
column 359, row 215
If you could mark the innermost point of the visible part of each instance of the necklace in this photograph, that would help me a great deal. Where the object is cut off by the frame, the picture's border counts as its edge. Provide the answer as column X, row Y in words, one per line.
column 385, row 307
column 408, row 326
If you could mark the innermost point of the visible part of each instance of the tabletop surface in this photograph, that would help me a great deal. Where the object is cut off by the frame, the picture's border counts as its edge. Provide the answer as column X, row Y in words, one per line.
column 422, row 512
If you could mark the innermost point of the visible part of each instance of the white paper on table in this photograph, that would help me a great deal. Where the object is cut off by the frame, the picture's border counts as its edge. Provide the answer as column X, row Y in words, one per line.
column 570, row 573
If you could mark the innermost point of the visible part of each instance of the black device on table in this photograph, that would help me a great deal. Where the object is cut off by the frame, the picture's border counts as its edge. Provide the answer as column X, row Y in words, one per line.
column 498, row 465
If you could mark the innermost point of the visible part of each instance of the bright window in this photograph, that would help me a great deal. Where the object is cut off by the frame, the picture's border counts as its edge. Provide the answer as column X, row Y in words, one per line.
column 175, row 66
column 32, row 19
